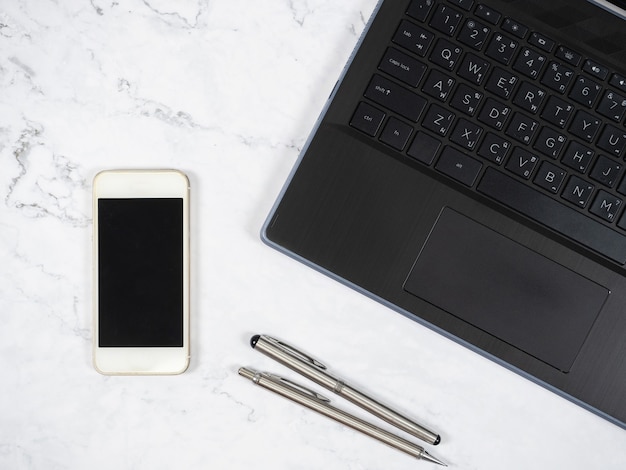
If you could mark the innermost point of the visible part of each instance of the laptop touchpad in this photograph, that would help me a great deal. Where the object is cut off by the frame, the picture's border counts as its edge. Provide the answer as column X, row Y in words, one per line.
column 505, row 289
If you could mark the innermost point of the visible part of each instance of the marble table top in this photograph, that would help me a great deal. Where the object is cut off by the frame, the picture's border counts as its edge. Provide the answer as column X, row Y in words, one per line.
column 226, row 91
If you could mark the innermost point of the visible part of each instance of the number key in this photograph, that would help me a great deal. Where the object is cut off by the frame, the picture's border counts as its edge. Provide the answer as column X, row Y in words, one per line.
column 585, row 91
column 501, row 48
column 612, row 105
column 529, row 62
column 473, row 34
column 557, row 77
column 446, row 20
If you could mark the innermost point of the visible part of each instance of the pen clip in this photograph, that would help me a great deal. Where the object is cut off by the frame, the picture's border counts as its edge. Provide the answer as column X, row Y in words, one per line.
column 288, row 349
column 295, row 386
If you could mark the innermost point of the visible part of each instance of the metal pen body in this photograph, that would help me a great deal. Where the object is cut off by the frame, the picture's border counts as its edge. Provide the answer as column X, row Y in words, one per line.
column 316, row 373
column 322, row 407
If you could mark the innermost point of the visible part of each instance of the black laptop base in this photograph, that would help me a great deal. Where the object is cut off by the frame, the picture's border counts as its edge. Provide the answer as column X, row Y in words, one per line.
column 362, row 212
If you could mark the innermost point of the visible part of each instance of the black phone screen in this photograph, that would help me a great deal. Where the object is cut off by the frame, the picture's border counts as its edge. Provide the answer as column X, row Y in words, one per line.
column 140, row 272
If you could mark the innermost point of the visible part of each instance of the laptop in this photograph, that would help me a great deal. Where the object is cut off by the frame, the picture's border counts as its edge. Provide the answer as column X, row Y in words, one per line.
column 468, row 171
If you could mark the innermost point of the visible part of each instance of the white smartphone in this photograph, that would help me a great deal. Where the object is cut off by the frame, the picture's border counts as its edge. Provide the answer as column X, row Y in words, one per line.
column 141, row 272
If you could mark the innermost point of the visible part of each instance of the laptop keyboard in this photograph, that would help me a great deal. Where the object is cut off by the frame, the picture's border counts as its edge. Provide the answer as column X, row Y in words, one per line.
column 508, row 112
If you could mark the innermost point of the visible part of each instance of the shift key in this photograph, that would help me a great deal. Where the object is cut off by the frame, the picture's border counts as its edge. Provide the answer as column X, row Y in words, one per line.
column 395, row 98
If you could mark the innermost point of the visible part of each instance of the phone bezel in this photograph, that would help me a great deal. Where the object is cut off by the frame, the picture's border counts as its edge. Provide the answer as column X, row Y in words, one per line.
column 142, row 360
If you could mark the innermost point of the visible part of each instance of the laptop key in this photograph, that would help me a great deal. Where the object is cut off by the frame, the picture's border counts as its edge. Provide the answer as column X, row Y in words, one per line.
column 550, row 177
column 557, row 111
column 438, row 120
column 553, row 214
column 529, row 97
column 578, row 191
column 595, row 69
column 522, row 128
column 494, row 148
column 396, row 98
column 474, row 34
column 557, row 77
column 541, row 41
column 367, row 119
column 459, row 166
column 424, row 148
column 501, row 82
column 612, row 105
column 401, row 66
column 578, row 157
column 612, row 140
column 585, row 91
column 515, row 28
column 419, row 9
column 530, row 63
column 465, row 4
column 474, row 69
column 438, row 85
column 618, row 81
column 466, row 134
column 522, row 163
column 413, row 38
column 606, row 171
column 585, row 126
column 446, row 20
column 606, row 206
column 568, row 55
column 494, row 114
column 396, row 133
column 550, row 142
column 466, row 99
column 445, row 54
column 502, row 48
column 488, row 14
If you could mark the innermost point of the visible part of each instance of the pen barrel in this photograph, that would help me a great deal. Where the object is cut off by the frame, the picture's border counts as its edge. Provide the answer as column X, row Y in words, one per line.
column 310, row 371
column 388, row 415
column 320, row 377
column 336, row 414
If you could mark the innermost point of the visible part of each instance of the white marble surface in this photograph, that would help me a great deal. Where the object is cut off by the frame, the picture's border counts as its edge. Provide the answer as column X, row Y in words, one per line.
column 227, row 91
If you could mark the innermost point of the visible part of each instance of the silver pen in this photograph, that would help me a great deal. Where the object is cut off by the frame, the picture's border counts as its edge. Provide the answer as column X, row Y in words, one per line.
column 315, row 371
column 319, row 403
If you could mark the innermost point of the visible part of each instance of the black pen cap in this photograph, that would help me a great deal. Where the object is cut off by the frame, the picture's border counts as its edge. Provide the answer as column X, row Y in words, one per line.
column 254, row 340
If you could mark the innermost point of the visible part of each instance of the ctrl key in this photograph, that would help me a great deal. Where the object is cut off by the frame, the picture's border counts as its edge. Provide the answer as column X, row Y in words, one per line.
column 367, row 119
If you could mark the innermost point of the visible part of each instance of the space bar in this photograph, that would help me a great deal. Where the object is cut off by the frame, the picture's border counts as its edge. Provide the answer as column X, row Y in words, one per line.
column 554, row 215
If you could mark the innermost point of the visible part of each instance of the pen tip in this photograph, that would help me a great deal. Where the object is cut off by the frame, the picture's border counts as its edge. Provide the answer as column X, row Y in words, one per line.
column 426, row 456
column 254, row 340
column 438, row 440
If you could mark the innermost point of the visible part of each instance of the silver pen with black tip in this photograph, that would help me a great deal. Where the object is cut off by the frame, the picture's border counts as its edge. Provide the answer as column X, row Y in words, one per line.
column 319, row 403
column 316, row 371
